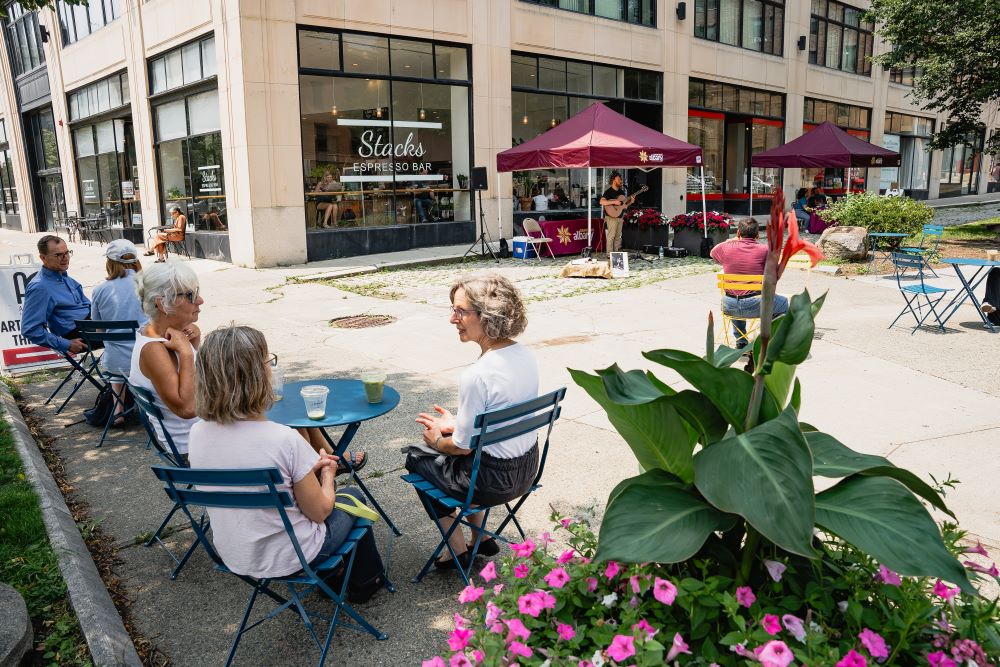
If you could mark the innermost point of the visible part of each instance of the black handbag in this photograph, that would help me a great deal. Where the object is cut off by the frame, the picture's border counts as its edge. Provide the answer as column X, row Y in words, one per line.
column 675, row 252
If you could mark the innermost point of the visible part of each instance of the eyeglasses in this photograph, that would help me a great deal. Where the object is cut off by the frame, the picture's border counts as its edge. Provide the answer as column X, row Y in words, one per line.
column 191, row 296
column 272, row 360
column 462, row 312
column 60, row 255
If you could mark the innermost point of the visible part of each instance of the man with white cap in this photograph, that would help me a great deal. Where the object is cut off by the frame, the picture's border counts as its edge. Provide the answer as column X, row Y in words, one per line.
column 116, row 299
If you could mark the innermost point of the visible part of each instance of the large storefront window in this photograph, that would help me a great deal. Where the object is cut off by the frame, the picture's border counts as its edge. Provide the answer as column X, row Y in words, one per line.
column 386, row 134
column 8, row 193
column 839, row 39
column 547, row 91
column 854, row 120
column 960, row 165
column 642, row 12
column 908, row 136
column 731, row 124
column 752, row 24
column 24, row 39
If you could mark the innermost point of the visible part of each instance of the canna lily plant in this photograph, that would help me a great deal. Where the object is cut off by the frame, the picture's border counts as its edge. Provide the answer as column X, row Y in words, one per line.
column 729, row 468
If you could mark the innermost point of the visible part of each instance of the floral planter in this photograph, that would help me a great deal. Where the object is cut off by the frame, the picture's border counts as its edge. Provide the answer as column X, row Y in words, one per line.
column 635, row 238
column 690, row 239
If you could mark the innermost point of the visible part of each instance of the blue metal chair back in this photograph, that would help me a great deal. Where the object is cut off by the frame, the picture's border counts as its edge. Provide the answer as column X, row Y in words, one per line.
column 150, row 414
column 933, row 233
column 903, row 262
column 106, row 331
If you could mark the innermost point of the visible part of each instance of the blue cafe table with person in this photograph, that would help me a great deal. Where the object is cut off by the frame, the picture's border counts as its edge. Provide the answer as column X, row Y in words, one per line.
column 346, row 405
column 970, row 284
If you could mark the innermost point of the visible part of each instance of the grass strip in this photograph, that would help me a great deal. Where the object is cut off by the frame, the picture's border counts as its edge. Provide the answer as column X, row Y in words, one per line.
column 982, row 230
column 28, row 563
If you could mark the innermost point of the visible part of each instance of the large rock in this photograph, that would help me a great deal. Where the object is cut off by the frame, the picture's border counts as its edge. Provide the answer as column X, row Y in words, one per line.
column 15, row 627
column 850, row 243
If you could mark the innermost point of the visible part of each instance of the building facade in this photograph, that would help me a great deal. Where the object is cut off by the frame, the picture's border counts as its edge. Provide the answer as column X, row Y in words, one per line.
column 300, row 130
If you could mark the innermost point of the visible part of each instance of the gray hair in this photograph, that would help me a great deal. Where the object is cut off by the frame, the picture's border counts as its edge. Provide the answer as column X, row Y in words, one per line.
column 164, row 282
column 232, row 377
column 499, row 304
column 175, row 208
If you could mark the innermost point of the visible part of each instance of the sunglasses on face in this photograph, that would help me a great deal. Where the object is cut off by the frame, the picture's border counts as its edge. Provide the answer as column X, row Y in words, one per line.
column 192, row 296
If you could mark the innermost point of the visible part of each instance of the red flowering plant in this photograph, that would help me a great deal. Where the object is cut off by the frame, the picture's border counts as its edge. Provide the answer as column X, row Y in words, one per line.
column 717, row 221
column 645, row 217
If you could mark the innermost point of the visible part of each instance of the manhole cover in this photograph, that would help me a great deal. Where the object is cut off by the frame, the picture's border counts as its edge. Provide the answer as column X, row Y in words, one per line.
column 361, row 321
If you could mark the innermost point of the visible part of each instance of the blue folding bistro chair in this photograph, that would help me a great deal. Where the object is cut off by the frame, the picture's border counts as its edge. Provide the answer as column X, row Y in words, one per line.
column 913, row 294
column 179, row 485
column 933, row 234
column 159, row 437
column 100, row 332
column 80, row 366
column 491, row 428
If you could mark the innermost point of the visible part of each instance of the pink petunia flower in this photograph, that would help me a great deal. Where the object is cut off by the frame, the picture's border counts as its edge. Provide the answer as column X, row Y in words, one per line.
column 517, row 648
column 460, row 621
column 529, row 604
column 517, row 629
column 852, row 659
column 664, row 591
column 874, row 644
column 622, row 648
column 497, row 588
column 775, row 653
column 566, row 523
column 546, row 599
column 634, row 583
column 745, row 596
column 887, row 576
column 493, row 613
column 644, row 626
column 436, row 661
column 679, row 646
column 976, row 567
column 775, row 569
column 771, row 624
column 940, row 659
column 795, row 627
column 591, row 584
column 565, row 557
column 459, row 660
column 743, row 651
column 524, row 549
column 470, row 594
column 556, row 578
column 478, row 656
column 459, row 639
column 489, row 573
column 546, row 538
column 611, row 570
column 943, row 591
column 978, row 549
column 521, row 570
column 565, row 632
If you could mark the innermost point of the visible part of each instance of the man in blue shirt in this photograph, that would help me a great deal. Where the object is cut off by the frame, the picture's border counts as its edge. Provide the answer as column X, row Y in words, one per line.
column 53, row 301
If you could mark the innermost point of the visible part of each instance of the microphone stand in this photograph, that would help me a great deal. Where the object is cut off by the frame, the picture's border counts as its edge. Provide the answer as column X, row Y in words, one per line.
column 485, row 247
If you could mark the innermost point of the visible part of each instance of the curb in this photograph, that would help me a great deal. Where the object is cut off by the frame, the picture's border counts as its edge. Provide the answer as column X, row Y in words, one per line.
column 102, row 627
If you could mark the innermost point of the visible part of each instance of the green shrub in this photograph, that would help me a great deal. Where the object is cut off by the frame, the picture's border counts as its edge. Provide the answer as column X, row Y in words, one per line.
column 880, row 214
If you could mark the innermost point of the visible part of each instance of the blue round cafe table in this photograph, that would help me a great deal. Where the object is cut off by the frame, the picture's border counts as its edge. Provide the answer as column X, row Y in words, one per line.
column 346, row 405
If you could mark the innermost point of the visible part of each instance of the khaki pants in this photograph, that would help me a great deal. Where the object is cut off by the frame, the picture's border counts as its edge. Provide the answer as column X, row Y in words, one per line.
column 613, row 236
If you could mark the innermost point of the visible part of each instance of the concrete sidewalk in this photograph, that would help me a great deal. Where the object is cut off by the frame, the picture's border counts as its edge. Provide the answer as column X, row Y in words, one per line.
column 929, row 401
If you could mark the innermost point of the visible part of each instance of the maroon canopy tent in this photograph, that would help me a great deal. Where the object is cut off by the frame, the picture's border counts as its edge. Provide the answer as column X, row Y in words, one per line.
column 827, row 146
column 600, row 137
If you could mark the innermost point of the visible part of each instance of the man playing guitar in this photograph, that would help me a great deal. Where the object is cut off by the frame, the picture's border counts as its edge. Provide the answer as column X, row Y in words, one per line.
column 615, row 202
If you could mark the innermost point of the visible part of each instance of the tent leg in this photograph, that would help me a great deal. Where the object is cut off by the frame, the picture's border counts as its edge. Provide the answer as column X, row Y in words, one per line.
column 704, row 202
column 590, row 185
column 499, row 212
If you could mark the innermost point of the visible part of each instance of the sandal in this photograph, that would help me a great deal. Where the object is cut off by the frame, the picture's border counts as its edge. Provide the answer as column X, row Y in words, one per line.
column 355, row 464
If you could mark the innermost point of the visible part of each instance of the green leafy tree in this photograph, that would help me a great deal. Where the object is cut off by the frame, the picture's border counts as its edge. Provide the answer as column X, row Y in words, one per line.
column 954, row 44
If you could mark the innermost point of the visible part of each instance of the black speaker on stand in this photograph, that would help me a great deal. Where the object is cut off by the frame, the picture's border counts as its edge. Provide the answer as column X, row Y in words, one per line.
column 479, row 183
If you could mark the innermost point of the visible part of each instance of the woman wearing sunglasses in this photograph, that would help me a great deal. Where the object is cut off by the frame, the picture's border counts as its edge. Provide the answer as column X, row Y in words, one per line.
column 164, row 352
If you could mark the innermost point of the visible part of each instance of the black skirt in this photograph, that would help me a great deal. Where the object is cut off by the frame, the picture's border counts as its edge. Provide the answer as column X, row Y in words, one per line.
column 499, row 480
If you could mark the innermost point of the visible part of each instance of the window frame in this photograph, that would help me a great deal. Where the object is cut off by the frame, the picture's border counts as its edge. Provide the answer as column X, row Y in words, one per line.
column 95, row 9
column 703, row 10
column 592, row 11
column 821, row 24
column 25, row 56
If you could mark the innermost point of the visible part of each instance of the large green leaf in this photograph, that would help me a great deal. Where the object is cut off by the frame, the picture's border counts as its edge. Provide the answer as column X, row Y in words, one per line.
column 881, row 517
column 765, row 476
column 628, row 387
column 654, row 431
column 724, row 356
column 699, row 412
column 779, row 381
column 653, row 518
column 728, row 389
column 792, row 335
column 832, row 458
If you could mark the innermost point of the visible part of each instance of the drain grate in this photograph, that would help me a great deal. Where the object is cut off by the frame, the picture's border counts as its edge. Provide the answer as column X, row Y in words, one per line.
column 361, row 321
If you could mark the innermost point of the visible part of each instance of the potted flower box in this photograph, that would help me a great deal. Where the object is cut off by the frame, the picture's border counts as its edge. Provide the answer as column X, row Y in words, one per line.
column 645, row 226
column 689, row 230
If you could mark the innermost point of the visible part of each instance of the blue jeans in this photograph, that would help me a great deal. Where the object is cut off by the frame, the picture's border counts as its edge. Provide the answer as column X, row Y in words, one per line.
column 424, row 208
column 749, row 306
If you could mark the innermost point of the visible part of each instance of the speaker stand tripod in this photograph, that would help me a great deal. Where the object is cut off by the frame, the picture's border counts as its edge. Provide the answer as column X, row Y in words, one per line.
column 484, row 239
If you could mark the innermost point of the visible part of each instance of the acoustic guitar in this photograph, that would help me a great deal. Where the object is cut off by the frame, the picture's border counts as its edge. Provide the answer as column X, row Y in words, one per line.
column 615, row 210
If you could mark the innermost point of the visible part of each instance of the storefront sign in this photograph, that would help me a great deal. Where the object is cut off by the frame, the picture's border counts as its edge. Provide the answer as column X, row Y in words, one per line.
column 380, row 160
column 889, row 176
column 128, row 190
column 210, row 179
column 90, row 190
column 16, row 353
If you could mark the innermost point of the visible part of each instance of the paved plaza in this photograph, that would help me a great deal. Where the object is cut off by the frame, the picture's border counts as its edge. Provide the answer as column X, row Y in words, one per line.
column 930, row 402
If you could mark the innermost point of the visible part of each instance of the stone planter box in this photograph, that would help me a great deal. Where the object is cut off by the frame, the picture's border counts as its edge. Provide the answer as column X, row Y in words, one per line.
column 634, row 238
column 690, row 239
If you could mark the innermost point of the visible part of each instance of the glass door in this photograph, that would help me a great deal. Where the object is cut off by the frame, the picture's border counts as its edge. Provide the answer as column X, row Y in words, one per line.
column 53, row 201
column 738, row 143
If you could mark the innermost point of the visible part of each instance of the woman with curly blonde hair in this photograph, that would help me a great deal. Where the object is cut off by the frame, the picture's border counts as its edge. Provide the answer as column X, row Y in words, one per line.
column 486, row 310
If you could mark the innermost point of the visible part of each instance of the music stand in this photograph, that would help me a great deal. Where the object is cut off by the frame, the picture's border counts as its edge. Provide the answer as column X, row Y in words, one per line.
column 485, row 247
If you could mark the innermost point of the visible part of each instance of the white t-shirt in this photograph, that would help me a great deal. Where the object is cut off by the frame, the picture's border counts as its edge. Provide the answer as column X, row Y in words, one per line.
column 178, row 427
column 541, row 202
column 254, row 542
column 498, row 379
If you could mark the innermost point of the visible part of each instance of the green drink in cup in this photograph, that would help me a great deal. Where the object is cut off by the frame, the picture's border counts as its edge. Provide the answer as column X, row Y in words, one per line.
column 374, row 381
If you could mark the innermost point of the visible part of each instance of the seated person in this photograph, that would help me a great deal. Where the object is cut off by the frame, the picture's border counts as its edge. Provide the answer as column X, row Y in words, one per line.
column 176, row 233
column 743, row 255
column 541, row 202
column 328, row 203
column 212, row 220
column 486, row 310
column 799, row 207
column 558, row 198
column 53, row 301
column 814, row 204
column 232, row 395
column 423, row 199
column 991, row 299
